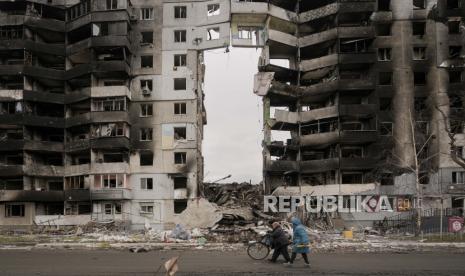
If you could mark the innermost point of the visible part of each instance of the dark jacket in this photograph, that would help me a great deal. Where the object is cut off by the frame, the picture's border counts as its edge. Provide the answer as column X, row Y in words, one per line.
column 279, row 237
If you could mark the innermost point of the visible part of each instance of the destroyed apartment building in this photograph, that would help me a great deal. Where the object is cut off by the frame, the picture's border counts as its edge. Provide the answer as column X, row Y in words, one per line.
column 101, row 109
column 102, row 115
column 354, row 84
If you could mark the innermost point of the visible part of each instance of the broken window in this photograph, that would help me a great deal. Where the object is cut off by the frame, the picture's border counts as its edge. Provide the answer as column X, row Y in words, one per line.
column 384, row 54
column 179, row 83
column 179, row 108
column 146, row 134
column 146, row 158
column 109, row 104
column 384, row 5
column 110, row 130
column 180, row 182
column 423, row 178
column 146, row 13
column 385, row 78
column 351, row 152
column 180, row 60
column 100, row 29
column 11, row 107
column 455, row 51
column 353, row 45
column 458, row 177
column 213, row 9
column 419, row 53
column 146, row 110
column 180, row 205
column 112, row 158
column 55, row 185
column 454, row 27
column 112, row 4
column 110, row 181
column 419, row 4
column 146, row 208
column 147, row 38
column 76, row 182
column 418, row 28
column 456, row 126
column 14, row 159
column 180, row 157
column 383, row 29
column 213, row 33
column 386, row 128
column 146, row 85
column 180, row 12
column 146, row 183
column 352, row 178
column 180, row 133
column 11, row 32
column 453, row 4
column 419, row 78
column 385, row 104
column 14, row 210
column 146, row 61
column 455, row 76
column 12, row 184
column 179, row 36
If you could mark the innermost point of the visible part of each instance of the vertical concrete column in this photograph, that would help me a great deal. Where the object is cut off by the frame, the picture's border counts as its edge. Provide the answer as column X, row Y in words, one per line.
column 266, row 140
column 403, row 87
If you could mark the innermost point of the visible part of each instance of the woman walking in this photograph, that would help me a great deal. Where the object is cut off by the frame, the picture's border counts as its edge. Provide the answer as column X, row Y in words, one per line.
column 300, row 242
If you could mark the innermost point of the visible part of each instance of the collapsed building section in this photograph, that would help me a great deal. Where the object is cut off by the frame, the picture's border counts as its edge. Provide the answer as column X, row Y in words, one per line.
column 353, row 93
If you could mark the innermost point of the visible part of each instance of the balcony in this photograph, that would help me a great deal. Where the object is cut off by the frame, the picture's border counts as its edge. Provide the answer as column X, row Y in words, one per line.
column 37, row 47
column 358, row 163
column 343, row 137
column 108, row 68
column 110, row 91
column 33, row 22
column 77, row 195
column 111, row 194
column 117, row 142
column 248, row 7
column 100, row 41
column 77, row 145
column 28, row 196
column 334, row 59
column 97, row 117
column 323, row 165
column 103, row 168
column 44, row 170
column 82, row 169
column 281, row 166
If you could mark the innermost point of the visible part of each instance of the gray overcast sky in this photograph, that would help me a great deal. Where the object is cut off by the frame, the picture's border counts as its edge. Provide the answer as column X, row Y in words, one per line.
column 233, row 134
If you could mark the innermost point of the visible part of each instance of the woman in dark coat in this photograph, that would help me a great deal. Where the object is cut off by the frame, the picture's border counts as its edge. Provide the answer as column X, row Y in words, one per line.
column 280, row 241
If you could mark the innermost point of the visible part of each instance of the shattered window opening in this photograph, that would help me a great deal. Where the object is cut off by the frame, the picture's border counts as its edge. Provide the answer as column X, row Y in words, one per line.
column 14, row 210
column 146, row 183
column 455, row 77
column 146, row 208
column 180, row 36
column 180, row 205
column 180, row 83
column 180, row 108
column 180, row 133
column 454, row 26
column 146, row 84
column 384, row 54
column 146, row 61
column 455, row 51
column 384, row 5
column 419, row 78
column 180, row 60
column 419, row 4
column 180, row 158
column 180, row 182
column 383, row 29
column 146, row 38
column 146, row 14
column 419, row 53
column 352, row 178
column 213, row 33
column 146, row 134
column 180, row 12
column 385, row 78
column 453, row 4
column 146, row 110
column 146, row 158
column 386, row 128
column 418, row 28
column 213, row 9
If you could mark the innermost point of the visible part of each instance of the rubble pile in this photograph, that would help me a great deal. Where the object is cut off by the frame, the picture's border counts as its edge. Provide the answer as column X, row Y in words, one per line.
column 234, row 194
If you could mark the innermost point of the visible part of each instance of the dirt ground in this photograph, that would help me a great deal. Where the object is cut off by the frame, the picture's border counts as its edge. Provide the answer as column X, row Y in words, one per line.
column 201, row 262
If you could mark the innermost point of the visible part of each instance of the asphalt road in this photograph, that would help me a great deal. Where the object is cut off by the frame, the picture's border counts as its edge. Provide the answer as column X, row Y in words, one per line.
column 201, row 262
